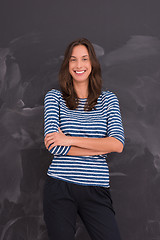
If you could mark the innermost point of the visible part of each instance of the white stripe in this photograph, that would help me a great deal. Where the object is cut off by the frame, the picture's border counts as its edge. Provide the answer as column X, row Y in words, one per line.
column 84, row 165
column 94, row 171
column 83, row 177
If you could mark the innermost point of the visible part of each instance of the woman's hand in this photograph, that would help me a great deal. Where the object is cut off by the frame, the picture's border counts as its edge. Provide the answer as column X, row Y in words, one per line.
column 56, row 139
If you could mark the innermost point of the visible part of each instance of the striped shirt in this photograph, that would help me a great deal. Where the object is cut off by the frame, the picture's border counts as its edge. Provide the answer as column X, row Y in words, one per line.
column 103, row 121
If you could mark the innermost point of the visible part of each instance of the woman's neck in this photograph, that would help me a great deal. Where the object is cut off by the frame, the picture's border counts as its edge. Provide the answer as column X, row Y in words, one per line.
column 81, row 90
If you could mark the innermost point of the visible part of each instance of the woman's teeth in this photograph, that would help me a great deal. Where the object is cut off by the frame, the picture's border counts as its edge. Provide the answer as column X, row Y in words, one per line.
column 79, row 72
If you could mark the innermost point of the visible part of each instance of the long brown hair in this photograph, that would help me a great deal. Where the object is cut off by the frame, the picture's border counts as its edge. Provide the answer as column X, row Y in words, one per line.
column 95, row 80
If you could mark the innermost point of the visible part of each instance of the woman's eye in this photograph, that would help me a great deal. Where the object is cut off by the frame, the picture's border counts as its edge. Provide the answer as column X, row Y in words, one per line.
column 85, row 59
column 72, row 60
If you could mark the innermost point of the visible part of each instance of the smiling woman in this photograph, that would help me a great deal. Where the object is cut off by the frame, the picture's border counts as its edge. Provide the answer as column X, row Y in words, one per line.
column 82, row 125
column 80, row 56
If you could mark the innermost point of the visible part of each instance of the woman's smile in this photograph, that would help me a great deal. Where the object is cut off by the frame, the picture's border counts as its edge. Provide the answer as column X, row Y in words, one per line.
column 80, row 73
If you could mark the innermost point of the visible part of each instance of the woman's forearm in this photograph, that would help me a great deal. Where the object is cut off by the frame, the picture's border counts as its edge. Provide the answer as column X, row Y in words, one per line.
column 105, row 145
column 77, row 151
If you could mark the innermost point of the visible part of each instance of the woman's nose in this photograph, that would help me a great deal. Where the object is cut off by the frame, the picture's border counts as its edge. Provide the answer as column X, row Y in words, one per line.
column 79, row 64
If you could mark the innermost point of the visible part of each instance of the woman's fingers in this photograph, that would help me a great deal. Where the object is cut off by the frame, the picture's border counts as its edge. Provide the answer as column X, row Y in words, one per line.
column 49, row 139
column 54, row 139
column 49, row 143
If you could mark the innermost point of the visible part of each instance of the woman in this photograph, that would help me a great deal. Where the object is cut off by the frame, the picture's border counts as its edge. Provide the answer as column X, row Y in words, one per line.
column 82, row 124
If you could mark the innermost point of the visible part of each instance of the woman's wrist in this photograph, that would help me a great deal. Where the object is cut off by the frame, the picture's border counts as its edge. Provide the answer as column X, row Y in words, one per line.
column 76, row 141
column 70, row 140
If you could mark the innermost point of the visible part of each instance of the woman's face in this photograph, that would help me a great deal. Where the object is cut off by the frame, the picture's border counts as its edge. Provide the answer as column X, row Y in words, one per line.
column 79, row 64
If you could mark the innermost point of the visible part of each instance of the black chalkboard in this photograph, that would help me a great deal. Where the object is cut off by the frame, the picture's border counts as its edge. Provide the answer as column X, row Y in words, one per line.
column 126, row 37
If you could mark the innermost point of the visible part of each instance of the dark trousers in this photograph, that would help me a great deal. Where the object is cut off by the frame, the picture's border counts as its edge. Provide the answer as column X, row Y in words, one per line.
column 62, row 201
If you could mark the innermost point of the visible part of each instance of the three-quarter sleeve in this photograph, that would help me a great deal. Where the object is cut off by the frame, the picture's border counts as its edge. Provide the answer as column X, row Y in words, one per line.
column 51, row 119
column 114, row 120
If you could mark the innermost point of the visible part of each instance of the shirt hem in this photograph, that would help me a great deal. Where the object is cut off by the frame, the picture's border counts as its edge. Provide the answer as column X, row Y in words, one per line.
column 77, row 182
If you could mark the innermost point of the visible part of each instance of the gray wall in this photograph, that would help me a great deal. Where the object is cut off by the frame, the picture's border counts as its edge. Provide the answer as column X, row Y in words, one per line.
column 33, row 36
